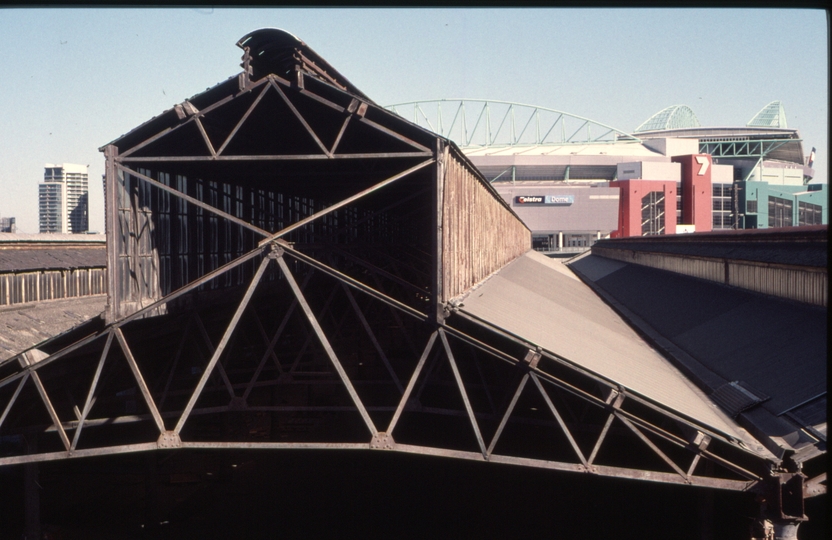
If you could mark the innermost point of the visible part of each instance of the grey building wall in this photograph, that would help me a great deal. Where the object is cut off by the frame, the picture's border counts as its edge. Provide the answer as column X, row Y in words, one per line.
column 594, row 209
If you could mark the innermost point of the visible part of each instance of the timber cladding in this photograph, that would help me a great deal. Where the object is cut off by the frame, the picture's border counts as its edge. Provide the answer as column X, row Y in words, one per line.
column 480, row 234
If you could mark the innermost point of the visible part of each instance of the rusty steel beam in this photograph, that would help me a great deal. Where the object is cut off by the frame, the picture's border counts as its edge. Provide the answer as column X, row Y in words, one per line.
column 324, row 310
column 650, row 444
column 192, row 285
column 393, row 134
column 166, row 131
column 340, row 132
column 615, row 400
column 49, row 359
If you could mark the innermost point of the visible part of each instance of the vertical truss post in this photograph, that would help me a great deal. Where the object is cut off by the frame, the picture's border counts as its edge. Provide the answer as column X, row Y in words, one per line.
column 221, row 347
column 326, row 345
column 111, row 190
column 437, row 210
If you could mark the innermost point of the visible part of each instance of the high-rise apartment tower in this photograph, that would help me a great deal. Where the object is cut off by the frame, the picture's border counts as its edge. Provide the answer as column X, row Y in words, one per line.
column 63, row 199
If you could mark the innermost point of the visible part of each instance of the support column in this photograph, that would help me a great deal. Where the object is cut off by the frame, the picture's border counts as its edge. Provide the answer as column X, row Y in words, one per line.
column 560, row 241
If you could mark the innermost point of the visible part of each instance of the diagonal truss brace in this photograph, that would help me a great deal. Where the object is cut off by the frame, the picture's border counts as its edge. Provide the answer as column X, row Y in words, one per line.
column 221, row 346
column 462, row 391
column 326, row 345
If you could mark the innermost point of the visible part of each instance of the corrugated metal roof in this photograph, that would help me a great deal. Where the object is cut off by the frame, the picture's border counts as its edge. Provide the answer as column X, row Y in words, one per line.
column 735, row 397
column 776, row 347
column 533, row 299
column 24, row 326
column 23, row 259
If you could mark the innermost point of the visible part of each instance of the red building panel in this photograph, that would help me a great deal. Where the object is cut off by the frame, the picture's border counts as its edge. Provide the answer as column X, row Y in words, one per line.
column 696, row 190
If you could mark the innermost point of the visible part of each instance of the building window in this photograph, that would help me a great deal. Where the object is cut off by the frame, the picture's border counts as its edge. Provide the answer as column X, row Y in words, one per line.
column 809, row 214
column 751, row 207
column 652, row 213
column 780, row 212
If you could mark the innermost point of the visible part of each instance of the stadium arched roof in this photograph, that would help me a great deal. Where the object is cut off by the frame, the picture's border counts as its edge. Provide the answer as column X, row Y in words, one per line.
column 772, row 115
column 673, row 117
column 489, row 123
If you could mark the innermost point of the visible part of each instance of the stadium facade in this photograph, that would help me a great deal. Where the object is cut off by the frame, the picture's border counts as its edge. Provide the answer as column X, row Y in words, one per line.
column 572, row 191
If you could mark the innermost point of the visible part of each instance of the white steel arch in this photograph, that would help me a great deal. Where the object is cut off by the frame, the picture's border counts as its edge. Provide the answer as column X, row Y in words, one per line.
column 481, row 122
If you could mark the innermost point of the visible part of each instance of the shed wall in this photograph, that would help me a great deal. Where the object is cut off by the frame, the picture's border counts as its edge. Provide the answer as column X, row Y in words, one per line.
column 479, row 233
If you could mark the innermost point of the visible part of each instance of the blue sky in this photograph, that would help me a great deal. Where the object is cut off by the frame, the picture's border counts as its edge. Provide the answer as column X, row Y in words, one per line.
column 71, row 80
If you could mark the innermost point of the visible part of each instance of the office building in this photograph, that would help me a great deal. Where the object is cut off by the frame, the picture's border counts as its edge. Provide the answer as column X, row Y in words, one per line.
column 63, row 199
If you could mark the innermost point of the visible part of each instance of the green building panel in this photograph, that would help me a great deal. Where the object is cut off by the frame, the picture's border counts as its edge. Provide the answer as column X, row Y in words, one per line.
column 767, row 206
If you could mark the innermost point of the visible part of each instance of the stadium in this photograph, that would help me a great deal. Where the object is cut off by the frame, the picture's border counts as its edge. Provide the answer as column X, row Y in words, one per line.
column 574, row 180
